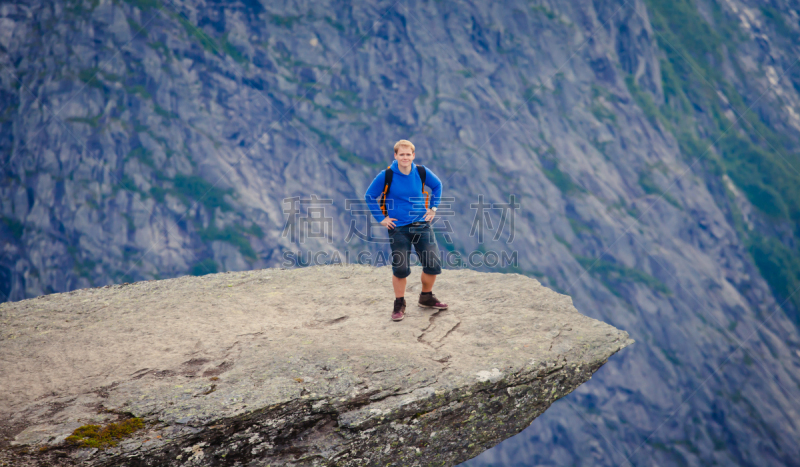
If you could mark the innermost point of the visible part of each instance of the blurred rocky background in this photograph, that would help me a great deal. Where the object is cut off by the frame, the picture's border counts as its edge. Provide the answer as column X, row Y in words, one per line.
column 652, row 146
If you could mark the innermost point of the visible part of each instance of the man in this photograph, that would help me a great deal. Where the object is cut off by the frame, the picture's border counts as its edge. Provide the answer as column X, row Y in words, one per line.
column 403, row 208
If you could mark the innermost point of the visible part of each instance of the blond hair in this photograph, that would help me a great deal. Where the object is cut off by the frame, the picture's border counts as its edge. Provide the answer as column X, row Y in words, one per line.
column 403, row 143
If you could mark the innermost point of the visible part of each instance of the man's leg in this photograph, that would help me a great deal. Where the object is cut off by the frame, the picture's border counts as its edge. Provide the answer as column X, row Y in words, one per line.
column 401, row 247
column 427, row 282
column 431, row 267
column 400, row 285
column 401, row 267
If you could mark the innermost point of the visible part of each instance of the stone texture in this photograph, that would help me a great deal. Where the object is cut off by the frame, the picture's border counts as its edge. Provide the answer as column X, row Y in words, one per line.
column 292, row 367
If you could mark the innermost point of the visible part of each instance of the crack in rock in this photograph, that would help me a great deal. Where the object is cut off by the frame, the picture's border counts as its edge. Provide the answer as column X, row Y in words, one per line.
column 440, row 325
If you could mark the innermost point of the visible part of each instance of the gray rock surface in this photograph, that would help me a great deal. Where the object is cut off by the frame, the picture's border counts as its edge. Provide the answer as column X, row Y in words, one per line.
column 291, row 367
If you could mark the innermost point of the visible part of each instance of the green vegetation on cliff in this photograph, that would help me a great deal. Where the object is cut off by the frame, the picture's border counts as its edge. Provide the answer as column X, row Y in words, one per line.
column 716, row 126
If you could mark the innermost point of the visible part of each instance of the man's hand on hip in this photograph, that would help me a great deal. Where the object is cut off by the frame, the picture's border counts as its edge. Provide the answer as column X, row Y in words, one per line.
column 388, row 222
column 429, row 215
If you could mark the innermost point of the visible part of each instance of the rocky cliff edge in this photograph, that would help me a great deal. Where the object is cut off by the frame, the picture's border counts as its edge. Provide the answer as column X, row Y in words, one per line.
column 290, row 367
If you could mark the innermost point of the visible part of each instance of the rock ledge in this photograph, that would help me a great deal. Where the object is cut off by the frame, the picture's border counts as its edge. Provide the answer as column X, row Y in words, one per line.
column 297, row 367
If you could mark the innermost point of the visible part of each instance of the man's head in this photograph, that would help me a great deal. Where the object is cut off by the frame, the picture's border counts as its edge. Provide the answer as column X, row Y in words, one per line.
column 404, row 152
column 404, row 143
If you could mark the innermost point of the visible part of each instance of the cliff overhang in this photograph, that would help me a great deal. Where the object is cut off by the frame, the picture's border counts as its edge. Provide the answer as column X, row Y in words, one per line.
column 290, row 367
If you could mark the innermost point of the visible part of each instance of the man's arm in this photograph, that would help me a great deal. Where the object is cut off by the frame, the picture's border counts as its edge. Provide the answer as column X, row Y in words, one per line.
column 436, row 185
column 371, row 197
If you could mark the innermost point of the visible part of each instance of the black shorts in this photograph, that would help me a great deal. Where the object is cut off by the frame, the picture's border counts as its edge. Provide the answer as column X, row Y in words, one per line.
column 419, row 234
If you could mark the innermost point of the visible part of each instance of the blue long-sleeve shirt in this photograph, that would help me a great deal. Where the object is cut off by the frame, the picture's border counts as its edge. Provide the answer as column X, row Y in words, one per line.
column 405, row 201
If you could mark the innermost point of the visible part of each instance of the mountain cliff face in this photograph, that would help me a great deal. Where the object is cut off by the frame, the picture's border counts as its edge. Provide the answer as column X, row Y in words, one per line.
column 651, row 146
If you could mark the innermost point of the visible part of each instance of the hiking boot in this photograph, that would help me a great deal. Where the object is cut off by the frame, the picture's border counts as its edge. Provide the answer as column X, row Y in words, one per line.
column 430, row 301
column 399, row 310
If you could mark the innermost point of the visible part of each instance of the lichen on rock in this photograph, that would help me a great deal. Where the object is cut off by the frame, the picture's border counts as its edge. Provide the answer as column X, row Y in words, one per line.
column 101, row 437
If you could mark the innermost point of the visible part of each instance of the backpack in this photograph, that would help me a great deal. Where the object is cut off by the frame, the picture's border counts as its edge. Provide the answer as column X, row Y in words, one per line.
column 387, row 181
